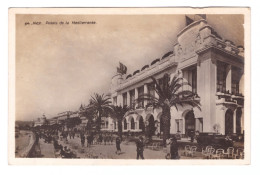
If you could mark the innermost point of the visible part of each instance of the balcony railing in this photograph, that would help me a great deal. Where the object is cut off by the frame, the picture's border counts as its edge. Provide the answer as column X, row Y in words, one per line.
column 229, row 98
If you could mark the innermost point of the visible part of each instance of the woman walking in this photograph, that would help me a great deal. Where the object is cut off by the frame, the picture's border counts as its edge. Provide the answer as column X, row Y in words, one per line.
column 174, row 148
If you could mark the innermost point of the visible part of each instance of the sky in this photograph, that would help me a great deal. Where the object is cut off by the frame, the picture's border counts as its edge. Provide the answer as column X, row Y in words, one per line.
column 59, row 67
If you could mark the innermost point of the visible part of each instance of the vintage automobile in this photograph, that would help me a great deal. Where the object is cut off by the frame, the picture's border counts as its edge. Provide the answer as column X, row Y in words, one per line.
column 214, row 139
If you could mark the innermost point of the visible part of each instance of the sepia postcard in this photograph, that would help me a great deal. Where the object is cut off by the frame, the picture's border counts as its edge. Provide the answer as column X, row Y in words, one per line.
column 129, row 86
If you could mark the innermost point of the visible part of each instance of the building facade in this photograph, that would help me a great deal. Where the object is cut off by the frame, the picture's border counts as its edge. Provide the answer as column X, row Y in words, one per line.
column 40, row 121
column 213, row 67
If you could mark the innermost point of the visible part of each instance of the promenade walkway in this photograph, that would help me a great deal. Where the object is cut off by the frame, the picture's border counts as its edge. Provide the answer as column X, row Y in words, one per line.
column 108, row 151
column 47, row 149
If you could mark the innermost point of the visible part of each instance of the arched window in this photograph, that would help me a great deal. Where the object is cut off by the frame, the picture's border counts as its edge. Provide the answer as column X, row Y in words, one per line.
column 229, row 122
column 189, row 123
column 132, row 123
column 125, row 124
column 141, row 123
column 115, row 125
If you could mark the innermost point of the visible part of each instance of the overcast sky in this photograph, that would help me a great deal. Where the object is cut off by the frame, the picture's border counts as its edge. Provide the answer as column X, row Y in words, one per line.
column 58, row 67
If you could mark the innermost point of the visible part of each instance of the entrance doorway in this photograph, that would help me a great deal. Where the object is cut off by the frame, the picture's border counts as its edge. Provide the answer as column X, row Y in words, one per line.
column 228, row 122
column 238, row 121
column 151, row 126
column 189, row 123
column 141, row 124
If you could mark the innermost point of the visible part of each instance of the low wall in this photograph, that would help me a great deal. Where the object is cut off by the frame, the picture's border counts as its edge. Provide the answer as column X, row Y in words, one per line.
column 30, row 148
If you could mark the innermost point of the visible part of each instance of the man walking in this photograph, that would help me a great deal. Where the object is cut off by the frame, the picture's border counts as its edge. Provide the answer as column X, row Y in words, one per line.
column 118, row 149
column 82, row 138
column 140, row 148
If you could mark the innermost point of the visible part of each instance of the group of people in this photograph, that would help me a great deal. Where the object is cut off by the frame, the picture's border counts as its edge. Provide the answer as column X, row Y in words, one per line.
column 106, row 139
column 139, row 147
column 65, row 134
column 172, row 148
column 47, row 135
column 63, row 151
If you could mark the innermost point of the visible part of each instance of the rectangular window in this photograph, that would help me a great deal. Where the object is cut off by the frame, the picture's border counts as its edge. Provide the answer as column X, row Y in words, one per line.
column 194, row 80
column 132, row 99
column 190, row 76
column 124, row 99
column 115, row 101
column 177, row 125
column 236, row 74
column 221, row 76
column 140, row 94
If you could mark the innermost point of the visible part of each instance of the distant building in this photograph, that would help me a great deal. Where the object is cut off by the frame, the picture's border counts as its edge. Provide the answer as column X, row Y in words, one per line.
column 40, row 121
column 212, row 66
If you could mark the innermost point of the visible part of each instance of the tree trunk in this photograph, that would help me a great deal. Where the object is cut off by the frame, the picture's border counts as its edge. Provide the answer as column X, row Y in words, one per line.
column 166, row 119
column 99, row 123
column 120, row 129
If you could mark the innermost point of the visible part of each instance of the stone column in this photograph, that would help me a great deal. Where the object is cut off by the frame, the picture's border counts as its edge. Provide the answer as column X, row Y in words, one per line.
column 234, row 121
column 242, row 120
column 145, row 92
column 222, row 121
column 128, row 98
column 228, row 78
column 241, row 84
column 207, row 80
column 136, row 96
column 120, row 100
column 197, row 124
column 159, row 129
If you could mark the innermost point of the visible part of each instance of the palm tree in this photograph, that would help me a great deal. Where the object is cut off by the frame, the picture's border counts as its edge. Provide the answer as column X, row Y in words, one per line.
column 170, row 94
column 100, row 104
column 118, row 113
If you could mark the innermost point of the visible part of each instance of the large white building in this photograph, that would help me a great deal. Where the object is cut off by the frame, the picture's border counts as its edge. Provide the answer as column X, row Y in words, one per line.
column 214, row 68
column 40, row 121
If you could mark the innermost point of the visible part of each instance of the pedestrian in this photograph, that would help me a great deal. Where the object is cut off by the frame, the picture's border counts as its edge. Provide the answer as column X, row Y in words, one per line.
column 88, row 141
column 70, row 135
column 105, row 139
column 100, row 138
column 73, row 134
column 111, row 139
column 168, row 149
column 118, row 142
column 140, row 148
column 82, row 140
column 174, row 148
column 192, row 136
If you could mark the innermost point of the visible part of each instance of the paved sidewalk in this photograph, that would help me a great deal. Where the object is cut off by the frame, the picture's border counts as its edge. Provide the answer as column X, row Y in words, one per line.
column 128, row 151
column 47, row 149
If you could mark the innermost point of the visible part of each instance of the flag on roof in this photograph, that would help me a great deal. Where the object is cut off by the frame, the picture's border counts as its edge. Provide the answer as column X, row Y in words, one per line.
column 122, row 68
